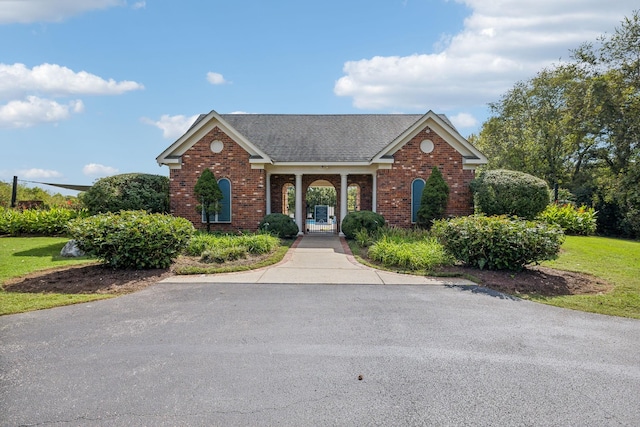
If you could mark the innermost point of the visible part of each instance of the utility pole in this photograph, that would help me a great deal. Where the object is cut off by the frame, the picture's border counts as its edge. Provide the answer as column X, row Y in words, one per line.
column 14, row 192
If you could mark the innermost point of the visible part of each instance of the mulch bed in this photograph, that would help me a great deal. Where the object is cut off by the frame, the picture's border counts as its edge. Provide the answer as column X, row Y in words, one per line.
column 96, row 278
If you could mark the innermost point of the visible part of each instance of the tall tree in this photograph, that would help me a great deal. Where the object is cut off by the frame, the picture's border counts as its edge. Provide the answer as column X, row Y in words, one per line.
column 209, row 194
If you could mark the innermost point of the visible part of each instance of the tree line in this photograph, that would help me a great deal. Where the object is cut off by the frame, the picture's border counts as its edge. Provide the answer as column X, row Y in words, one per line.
column 577, row 125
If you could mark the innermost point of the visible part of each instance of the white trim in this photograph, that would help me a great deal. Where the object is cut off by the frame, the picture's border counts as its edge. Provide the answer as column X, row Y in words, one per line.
column 299, row 204
column 197, row 132
column 268, row 193
column 343, row 199
column 444, row 130
column 374, row 192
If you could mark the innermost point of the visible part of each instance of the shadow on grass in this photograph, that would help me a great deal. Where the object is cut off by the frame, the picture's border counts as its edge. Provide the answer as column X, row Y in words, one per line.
column 475, row 289
column 52, row 250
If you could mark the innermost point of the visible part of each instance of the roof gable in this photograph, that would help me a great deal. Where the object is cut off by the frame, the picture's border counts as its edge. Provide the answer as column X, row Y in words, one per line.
column 300, row 138
column 441, row 125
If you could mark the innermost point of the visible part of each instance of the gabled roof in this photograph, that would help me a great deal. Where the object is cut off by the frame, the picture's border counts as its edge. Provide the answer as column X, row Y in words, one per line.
column 302, row 138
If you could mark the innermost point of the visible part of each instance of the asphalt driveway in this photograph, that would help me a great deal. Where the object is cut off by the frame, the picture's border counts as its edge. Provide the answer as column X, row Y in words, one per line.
column 273, row 354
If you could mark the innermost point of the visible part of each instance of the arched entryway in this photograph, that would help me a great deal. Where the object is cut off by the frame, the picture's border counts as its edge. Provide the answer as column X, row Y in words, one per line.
column 320, row 207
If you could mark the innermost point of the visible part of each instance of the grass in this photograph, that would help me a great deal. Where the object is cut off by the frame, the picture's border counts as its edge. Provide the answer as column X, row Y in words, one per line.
column 23, row 255
column 614, row 260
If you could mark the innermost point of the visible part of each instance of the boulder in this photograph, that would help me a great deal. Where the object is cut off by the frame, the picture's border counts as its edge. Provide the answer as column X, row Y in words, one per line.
column 71, row 249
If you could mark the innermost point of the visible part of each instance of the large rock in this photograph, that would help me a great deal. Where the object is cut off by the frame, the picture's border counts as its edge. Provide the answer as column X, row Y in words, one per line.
column 71, row 249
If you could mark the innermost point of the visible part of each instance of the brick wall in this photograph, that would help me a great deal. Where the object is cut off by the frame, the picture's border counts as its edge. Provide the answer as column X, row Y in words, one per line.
column 394, row 185
column 248, row 206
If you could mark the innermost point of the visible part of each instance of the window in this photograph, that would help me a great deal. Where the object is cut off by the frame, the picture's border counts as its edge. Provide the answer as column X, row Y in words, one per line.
column 225, row 204
column 416, row 194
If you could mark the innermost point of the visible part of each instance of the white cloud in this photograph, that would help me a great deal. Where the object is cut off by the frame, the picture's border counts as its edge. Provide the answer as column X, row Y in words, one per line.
column 26, row 11
column 172, row 127
column 18, row 80
column 96, row 169
column 464, row 120
column 139, row 5
column 35, row 173
column 502, row 41
column 34, row 110
column 215, row 78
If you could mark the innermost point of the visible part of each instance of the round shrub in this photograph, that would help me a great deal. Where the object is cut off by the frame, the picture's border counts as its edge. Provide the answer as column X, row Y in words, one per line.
column 506, row 192
column 499, row 243
column 279, row 224
column 132, row 239
column 356, row 221
column 129, row 191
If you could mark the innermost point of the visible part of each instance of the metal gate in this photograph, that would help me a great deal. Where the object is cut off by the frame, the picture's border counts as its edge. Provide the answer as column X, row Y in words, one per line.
column 321, row 220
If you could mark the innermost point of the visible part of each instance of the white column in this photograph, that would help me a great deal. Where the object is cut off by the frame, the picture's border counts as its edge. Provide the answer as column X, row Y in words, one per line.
column 343, row 199
column 374, row 192
column 299, row 204
column 268, row 192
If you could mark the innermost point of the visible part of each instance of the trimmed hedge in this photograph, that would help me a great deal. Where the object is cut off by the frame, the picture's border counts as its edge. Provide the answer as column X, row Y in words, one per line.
column 42, row 222
column 132, row 239
column 127, row 192
column 513, row 193
column 280, row 225
column 356, row 221
column 499, row 242
column 573, row 220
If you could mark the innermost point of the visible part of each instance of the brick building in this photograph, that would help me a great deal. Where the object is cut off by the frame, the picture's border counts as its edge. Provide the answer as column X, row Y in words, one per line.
column 257, row 158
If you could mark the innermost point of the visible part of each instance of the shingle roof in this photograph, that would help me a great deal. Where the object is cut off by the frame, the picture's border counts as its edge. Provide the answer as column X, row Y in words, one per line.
column 321, row 138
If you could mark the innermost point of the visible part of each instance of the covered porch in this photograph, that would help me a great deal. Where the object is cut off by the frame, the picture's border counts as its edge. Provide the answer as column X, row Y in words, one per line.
column 360, row 182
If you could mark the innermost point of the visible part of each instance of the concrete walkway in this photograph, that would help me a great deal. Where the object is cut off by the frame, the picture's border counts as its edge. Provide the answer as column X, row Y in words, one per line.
column 318, row 259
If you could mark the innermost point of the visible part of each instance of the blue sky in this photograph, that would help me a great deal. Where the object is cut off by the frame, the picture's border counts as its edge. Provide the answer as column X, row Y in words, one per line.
column 91, row 88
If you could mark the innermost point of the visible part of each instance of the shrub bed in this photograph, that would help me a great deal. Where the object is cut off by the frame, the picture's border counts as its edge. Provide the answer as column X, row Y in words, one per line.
column 424, row 254
column 42, row 222
column 499, row 243
column 573, row 220
column 221, row 248
column 132, row 239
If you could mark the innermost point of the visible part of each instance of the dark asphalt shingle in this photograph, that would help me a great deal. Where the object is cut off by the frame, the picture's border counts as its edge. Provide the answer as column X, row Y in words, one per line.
column 321, row 138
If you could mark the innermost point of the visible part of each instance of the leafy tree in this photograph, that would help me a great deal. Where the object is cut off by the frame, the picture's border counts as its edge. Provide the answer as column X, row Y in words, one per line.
column 129, row 191
column 209, row 194
column 435, row 196
column 578, row 125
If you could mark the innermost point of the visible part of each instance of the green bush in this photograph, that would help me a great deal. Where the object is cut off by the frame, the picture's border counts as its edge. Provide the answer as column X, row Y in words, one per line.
column 573, row 220
column 42, row 222
column 129, row 191
column 132, row 239
column 255, row 244
column 280, row 225
column 499, row 243
column 425, row 254
column 506, row 192
column 435, row 196
column 356, row 221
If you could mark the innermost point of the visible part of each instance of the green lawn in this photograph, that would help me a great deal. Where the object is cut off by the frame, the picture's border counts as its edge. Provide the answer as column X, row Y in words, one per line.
column 23, row 255
column 615, row 260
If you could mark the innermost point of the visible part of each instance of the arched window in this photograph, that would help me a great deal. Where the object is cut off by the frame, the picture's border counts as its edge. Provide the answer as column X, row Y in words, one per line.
column 225, row 204
column 416, row 194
